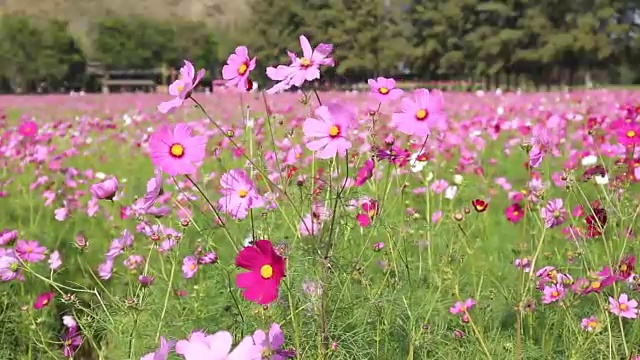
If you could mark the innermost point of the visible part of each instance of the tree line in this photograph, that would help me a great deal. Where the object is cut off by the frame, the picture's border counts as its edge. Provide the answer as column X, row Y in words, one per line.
column 505, row 42
column 491, row 42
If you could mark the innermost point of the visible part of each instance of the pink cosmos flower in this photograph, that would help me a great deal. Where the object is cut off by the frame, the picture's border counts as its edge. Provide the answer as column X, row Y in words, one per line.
column 177, row 152
column 553, row 293
column 271, row 343
column 71, row 341
column 589, row 324
column 189, row 266
column 162, row 353
column 365, row 172
column 461, row 307
column 182, row 88
column 554, row 213
column 28, row 128
column 306, row 68
column 238, row 67
column 154, row 190
column 43, row 300
column 371, row 210
column 383, row 89
column 201, row 346
column 239, row 194
column 629, row 134
column 105, row 190
column 624, row 307
column 514, row 213
column 9, row 267
column 30, row 251
column 54, row 260
column 328, row 130
column 420, row 114
column 8, row 236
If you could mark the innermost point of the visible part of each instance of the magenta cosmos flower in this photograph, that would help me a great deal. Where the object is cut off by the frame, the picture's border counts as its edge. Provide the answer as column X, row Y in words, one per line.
column 238, row 67
column 182, row 88
column 177, row 152
column 43, row 300
column 266, row 269
column 28, row 128
column 328, row 130
column 383, row 89
column 624, row 307
column 239, row 194
column 420, row 114
column 553, row 213
column 306, row 68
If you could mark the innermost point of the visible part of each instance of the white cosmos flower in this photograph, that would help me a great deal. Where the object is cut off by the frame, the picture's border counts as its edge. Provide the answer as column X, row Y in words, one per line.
column 416, row 165
column 589, row 160
column 602, row 180
column 451, row 192
column 458, row 179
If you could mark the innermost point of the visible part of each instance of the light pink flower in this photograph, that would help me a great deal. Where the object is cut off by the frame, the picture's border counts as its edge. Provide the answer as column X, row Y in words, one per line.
column 624, row 307
column 177, row 151
column 182, row 88
column 239, row 194
column 306, row 68
column 327, row 131
column 238, row 67
column 420, row 114
column 383, row 89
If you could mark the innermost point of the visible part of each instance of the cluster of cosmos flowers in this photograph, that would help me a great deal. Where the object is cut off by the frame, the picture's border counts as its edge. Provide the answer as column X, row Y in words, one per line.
column 177, row 151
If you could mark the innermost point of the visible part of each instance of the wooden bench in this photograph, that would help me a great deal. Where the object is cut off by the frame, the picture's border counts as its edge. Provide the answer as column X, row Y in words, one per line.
column 146, row 84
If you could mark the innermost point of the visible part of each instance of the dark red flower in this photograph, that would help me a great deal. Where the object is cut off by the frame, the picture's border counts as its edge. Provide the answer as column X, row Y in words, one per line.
column 480, row 205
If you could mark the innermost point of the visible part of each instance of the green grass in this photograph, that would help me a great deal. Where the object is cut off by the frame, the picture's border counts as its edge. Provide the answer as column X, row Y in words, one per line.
column 391, row 304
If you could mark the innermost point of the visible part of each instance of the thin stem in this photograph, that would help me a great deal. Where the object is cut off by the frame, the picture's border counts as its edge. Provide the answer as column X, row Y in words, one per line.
column 222, row 224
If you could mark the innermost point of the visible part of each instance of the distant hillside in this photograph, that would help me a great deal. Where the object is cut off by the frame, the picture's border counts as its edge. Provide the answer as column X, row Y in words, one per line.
column 214, row 12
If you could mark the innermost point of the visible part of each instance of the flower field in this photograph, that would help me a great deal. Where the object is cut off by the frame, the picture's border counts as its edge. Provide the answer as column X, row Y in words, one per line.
column 381, row 224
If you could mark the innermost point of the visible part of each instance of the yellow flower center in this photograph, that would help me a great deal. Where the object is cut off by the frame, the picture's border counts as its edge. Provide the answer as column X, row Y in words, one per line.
column 372, row 213
column 45, row 301
column 555, row 294
column 623, row 267
column 180, row 88
column 383, row 90
column 176, row 150
column 192, row 267
column 334, row 131
column 556, row 214
column 592, row 324
column 242, row 69
column 596, row 285
column 623, row 307
column 516, row 213
column 631, row 133
column 243, row 193
column 422, row 114
column 305, row 62
column 266, row 271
